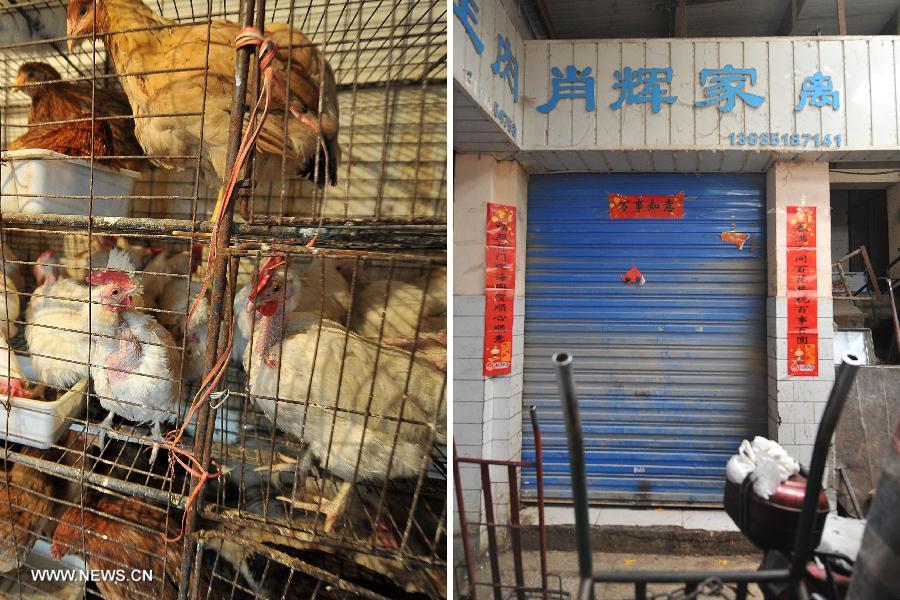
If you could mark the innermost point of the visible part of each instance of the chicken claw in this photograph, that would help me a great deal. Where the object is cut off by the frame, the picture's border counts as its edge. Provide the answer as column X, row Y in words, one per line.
column 333, row 509
column 157, row 437
column 290, row 464
column 100, row 440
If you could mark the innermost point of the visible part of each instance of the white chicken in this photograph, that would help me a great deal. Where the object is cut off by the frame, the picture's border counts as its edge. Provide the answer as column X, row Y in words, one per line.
column 56, row 339
column 100, row 247
column 135, row 365
column 343, row 395
column 160, row 287
column 11, row 266
column 325, row 291
column 389, row 311
column 193, row 332
column 399, row 304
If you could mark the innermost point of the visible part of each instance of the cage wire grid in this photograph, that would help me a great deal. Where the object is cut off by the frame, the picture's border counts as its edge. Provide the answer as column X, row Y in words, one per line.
column 382, row 227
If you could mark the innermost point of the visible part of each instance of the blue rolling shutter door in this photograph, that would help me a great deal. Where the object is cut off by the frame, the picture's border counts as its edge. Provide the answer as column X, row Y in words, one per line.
column 671, row 376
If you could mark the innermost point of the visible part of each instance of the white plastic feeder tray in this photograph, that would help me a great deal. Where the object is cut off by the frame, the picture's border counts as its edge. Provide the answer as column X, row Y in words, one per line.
column 32, row 589
column 37, row 182
column 39, row 423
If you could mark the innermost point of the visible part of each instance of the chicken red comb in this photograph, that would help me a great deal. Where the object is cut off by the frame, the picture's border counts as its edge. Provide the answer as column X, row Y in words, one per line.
column 265, row 274
column 110, row 276
column 155, row 250
column 107, row 241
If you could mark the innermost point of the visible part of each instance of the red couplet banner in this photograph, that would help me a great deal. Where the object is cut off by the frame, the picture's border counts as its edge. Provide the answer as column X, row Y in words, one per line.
column 802, row 300
column 500, row 286
column 646, row 207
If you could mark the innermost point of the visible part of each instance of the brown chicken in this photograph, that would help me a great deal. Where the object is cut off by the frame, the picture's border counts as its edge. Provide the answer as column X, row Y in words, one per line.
column 126, row 534
column 55, row 100
column 25, row 500
column 168, row 104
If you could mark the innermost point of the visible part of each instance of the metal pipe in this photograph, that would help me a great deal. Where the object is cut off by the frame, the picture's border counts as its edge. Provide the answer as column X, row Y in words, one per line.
column 765, row 575
column 539, row 476
column 844, row 377
column 357, row 232
column 563, row 363
column 107, row 482
column 205, row 415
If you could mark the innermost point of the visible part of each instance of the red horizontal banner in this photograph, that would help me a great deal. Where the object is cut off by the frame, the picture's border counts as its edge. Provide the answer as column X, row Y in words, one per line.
column 646, row 207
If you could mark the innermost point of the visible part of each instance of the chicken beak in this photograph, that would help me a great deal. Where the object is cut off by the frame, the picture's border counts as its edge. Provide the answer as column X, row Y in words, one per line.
column 71, row 42
column 17, row 86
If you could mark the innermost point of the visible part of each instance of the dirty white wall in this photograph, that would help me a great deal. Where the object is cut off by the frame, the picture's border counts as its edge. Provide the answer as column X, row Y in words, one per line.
column 796, row 403
column 487, row 411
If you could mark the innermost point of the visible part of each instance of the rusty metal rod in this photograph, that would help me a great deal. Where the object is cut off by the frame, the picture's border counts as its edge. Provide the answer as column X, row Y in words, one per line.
column 292, row 563
column 873, row 280
column 296, row 226
column 102, row 481
column 539, row 473
column 464, row 527
column 206, row 416
column 894, row 316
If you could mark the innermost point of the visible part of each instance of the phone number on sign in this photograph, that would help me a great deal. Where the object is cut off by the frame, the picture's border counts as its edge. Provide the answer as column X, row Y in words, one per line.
column 786, row 139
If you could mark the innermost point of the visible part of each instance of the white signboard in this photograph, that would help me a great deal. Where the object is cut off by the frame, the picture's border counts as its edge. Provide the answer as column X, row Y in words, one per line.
column 758, row 94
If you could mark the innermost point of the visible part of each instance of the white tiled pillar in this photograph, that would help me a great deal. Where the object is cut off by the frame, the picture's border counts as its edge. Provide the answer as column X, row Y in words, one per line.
column 487, row 412
column 796, row 403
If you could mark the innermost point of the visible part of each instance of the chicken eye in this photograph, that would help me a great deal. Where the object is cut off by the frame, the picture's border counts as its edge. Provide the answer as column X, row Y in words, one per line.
column 115, row 292
column 276, row 288
column 83, row 10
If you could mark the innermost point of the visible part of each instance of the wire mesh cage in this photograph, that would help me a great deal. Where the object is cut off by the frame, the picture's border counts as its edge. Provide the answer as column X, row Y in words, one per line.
column 224, row 280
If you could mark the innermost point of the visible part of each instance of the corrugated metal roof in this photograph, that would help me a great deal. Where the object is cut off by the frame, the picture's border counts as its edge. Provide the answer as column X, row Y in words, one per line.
column 724, row 18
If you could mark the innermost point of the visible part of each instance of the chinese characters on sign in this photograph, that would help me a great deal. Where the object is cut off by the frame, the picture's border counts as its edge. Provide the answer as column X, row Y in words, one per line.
column 467, row 13
column 500, row 285
column 818, row 91
column 802, row 302
column 506, row 66
column 643, row 86
column 646, row 207
column 574, row 85
column 722, row 88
